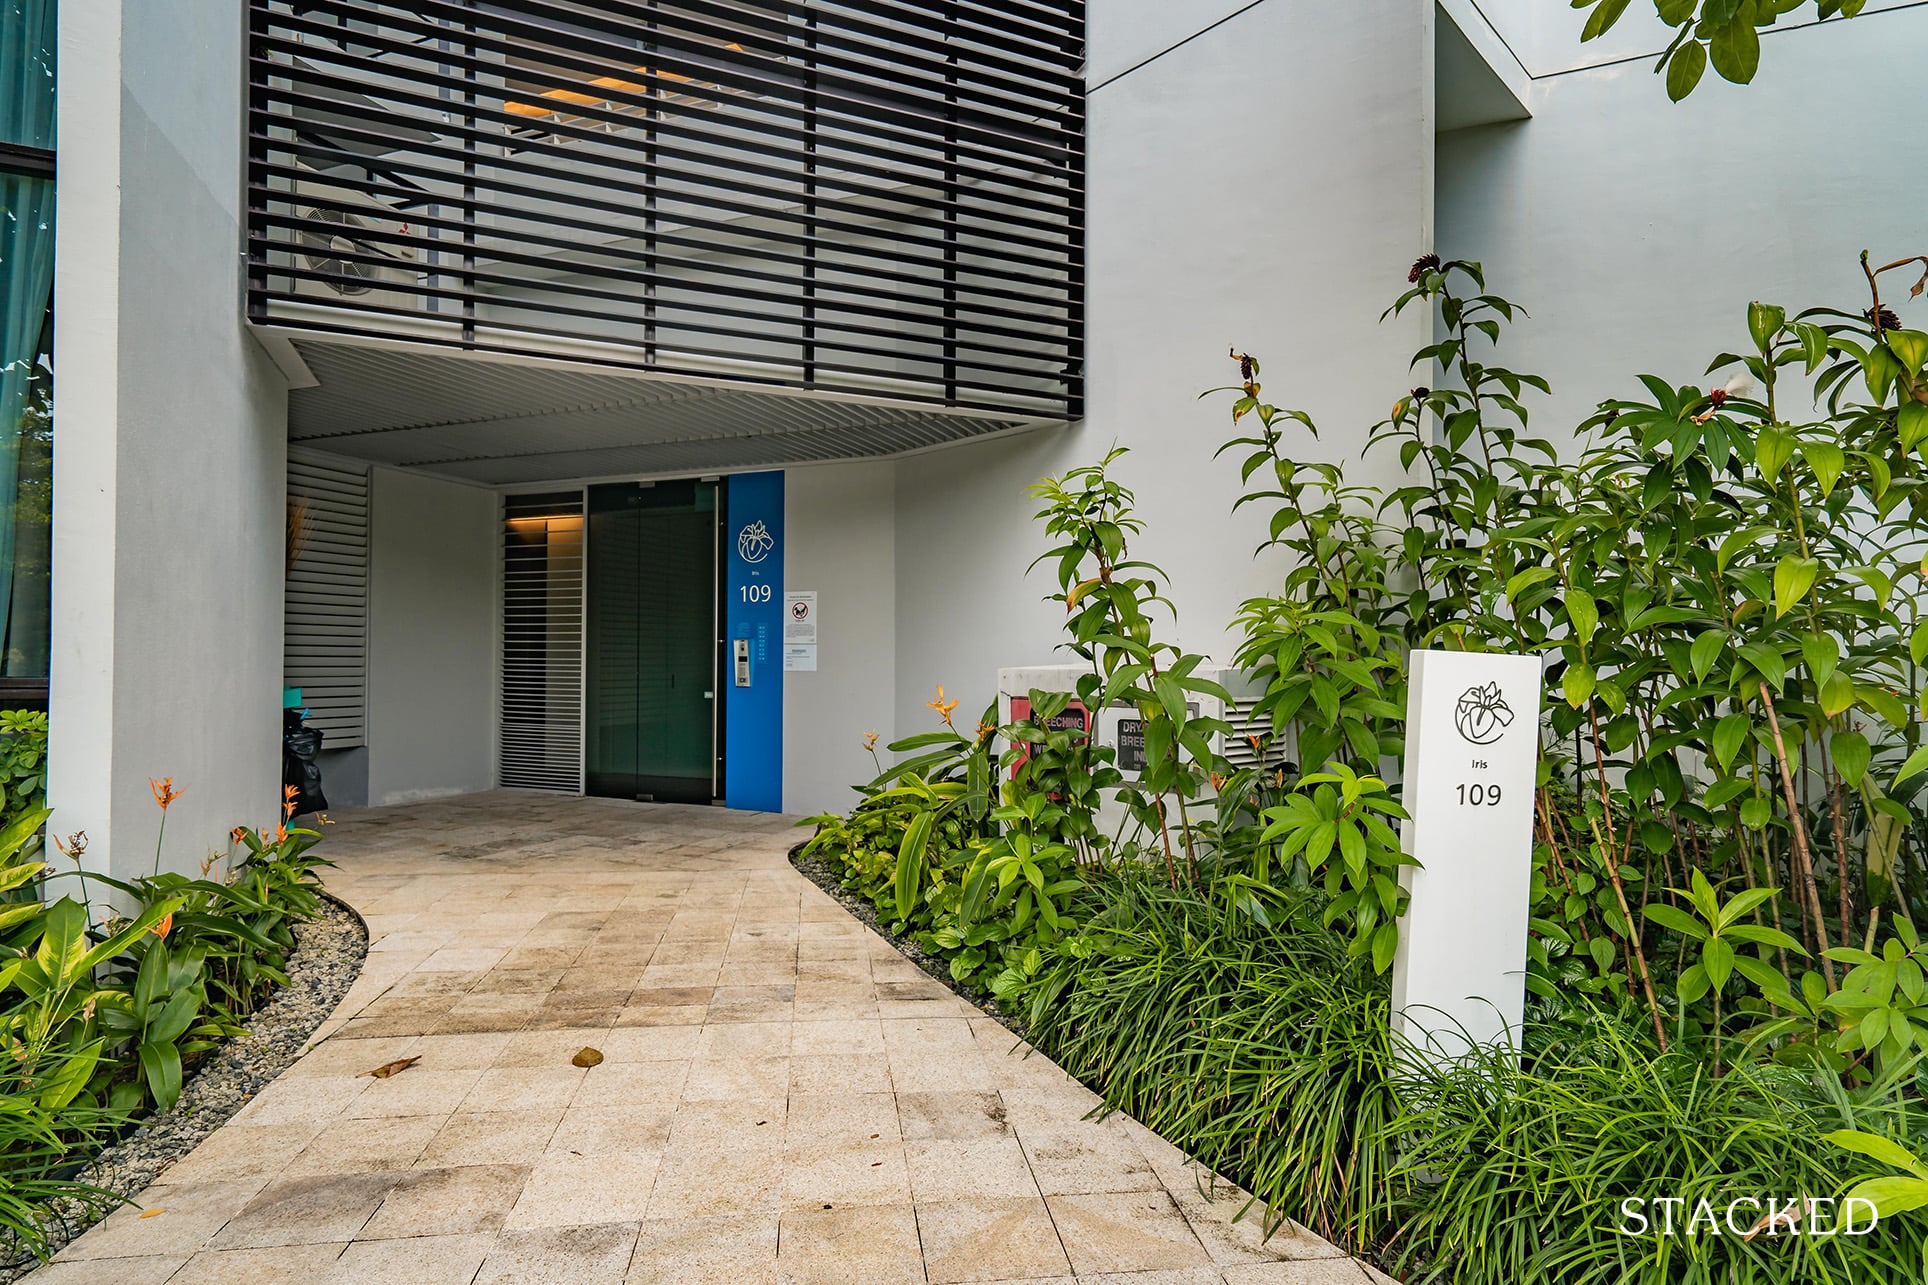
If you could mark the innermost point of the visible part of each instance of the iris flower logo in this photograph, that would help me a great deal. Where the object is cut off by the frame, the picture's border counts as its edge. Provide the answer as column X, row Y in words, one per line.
column 1482, row 715
column 754, row 542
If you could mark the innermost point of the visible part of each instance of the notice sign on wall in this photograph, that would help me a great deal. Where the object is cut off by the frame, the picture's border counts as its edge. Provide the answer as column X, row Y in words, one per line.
column 1472, row 746
column 800, row 617
column 800, row 631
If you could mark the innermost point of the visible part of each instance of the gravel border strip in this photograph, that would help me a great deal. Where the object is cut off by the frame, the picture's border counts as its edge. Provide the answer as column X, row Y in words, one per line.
column 328, row 957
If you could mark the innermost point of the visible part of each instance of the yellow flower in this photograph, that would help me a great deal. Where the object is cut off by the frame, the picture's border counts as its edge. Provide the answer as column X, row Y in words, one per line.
column 870, row 741
column 943, row 707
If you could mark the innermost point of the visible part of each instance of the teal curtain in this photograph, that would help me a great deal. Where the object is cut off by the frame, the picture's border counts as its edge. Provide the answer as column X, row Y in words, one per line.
column 27, row 72
column 27, row 31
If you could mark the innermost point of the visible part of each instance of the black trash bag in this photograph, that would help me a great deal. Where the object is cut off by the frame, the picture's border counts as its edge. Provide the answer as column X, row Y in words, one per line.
column 300, row 750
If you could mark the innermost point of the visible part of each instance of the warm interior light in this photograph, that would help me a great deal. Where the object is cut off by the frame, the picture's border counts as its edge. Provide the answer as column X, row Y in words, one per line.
column 581, row 99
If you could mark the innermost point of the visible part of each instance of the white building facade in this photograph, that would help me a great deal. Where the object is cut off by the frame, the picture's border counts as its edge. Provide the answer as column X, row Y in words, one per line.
column 640, row 399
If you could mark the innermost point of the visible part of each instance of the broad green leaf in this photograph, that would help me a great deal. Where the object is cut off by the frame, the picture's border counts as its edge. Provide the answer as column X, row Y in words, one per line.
column 1911, row 346
column 1764, row 321
column 1692, row 984
column 1891, row 1196
column 1773, row 448
column 1826, row 460
column 1822, row 655
column 1850, row 752
column 1705, row 651
column 1526, row 580
column 1685, row 68
column 1604, row 15
column 1911, row 424
column 1672, row 917
column 1385, row 944
column 1876, row 1147
column 1912, row 766
column 1837, row 694
column 1717, row 957
column 1729, row 734
column 1793, row 577
column 1577, row 684
column 1769, row 662
column 1584, row 613
column 1735, row 50
column 910, row 862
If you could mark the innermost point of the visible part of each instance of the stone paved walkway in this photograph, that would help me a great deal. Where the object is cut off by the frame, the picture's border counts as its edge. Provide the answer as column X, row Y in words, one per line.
column 783, row 1097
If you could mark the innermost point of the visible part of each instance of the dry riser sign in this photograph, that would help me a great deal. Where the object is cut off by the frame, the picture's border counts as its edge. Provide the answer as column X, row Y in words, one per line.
column 1472, row 744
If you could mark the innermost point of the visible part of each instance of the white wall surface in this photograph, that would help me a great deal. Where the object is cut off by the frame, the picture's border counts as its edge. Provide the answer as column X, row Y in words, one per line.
column 169, row 457
column 1546, row 36
column 1636, row 230
column 1267, row 184
column 838, row 525
column 432, row 568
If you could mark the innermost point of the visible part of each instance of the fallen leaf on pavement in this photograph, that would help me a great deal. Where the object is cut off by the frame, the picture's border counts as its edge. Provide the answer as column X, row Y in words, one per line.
column 587, row 1057
column 149, row 1213
column 387, row 1069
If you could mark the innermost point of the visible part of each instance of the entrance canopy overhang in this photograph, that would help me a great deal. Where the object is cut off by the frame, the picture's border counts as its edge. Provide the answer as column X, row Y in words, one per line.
column 507, row 421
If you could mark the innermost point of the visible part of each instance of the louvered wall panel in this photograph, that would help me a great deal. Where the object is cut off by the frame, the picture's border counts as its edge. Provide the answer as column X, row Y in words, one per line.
column 853, row 195
column 543, row 554
column 325, row 608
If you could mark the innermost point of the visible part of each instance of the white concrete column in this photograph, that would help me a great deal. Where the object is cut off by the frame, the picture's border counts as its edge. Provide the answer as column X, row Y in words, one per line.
column 169, row 446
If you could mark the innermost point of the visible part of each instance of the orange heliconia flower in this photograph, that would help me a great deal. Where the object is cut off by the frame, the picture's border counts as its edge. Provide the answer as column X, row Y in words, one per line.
column 288, row 796
column 238, row 835
column 942, row 706
column 870, row 740
column 164, row 791
column 164, row 927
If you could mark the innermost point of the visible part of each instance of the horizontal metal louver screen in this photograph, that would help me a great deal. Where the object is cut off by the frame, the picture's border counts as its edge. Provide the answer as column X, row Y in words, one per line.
column 868, row 196
column 325, row 608
column 542, row 586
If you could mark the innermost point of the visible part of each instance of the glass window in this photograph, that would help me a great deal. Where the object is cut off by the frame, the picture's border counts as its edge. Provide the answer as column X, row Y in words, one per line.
column 27, row 29
column 27, row 73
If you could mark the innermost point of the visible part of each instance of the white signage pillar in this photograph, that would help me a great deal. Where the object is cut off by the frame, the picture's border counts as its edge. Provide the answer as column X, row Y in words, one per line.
column 1472, row 746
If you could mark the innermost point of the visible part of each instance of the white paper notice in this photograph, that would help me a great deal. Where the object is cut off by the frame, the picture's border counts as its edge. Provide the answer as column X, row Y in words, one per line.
column 800, row 618
column 800, row 658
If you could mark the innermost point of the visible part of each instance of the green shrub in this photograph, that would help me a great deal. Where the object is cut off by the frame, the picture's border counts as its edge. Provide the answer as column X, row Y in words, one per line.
column 23, row 762
column 1252, row 1040
column 103, row 1015
column 1512, row 1172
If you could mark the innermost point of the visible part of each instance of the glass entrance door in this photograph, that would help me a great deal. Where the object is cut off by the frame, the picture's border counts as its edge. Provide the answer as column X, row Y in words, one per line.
column 651, row 695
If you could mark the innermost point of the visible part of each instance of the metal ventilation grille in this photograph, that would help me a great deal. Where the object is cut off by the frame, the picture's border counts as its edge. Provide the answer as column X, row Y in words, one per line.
column 325, row 607
column 1239, row 750
column 542, row 586
column 859, row 195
